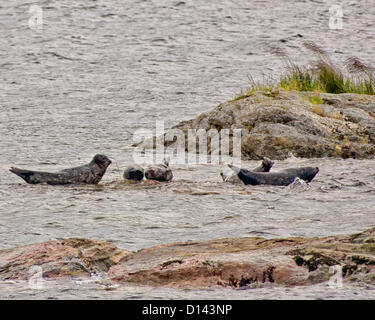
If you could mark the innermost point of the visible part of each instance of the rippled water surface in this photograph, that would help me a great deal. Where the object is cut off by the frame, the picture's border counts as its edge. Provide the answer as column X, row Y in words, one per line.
column 99, row 70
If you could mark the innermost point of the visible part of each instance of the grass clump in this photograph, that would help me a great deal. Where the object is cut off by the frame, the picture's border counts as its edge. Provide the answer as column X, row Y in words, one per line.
column 267, row 85
column 316, row 100
column 321, row 75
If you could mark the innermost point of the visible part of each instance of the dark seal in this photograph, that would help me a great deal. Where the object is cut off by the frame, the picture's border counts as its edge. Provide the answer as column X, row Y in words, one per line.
column 232, row 177
column 90, row 173
column 282, row 178
column 265, row 165
column 134, row 172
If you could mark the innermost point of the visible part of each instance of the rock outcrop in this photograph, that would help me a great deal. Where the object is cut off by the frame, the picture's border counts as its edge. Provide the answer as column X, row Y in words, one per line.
column 306, row 124
column 59, row 258
column 233, row 262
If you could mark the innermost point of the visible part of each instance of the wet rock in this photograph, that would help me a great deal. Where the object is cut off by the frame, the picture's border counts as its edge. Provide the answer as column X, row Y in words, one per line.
column 246, row 261
column 240, row 262
column 230, row 262
column 225, row 262
column 71, row 257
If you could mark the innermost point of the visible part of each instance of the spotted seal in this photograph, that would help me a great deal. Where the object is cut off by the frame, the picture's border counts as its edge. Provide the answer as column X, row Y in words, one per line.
column 161, row 172
column 90, row 173
column 282, row 178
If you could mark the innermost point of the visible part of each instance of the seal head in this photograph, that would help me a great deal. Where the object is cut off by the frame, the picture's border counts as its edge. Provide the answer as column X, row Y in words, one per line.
column 134, row 172
column 101, row 160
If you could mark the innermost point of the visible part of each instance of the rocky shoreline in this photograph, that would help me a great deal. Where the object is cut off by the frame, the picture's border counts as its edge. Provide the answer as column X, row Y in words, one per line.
column 305, row 124
column 229, row 262
column 274, row 124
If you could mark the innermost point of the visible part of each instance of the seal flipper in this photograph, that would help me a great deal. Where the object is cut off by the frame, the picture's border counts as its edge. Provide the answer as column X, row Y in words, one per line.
column 265, row 165
column 24, row 174
column 35, row 177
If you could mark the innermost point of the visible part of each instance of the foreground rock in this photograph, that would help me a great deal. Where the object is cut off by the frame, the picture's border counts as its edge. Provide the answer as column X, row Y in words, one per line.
column 234, row 262
column 238, row 262
column 306, row 124
column 59, row 258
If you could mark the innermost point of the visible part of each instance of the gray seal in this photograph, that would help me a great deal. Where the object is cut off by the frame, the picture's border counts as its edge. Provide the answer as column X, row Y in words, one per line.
column 134, row 172
column 160, row 172
column 90, row 173
column 282, row 178
column 265, row 166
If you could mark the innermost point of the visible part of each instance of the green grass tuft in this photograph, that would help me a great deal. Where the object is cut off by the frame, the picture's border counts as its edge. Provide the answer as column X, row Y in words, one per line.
column 316, row 100
column 322, row 75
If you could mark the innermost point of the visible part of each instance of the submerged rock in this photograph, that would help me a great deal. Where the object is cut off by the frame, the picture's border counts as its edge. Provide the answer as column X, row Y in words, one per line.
column 233, row 262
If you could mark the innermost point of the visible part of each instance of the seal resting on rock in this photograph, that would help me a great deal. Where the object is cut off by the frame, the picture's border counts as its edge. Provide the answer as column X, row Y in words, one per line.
column 134, row 172
column 282, row 178
column 90, row 173
column 232, row 177
column 161, row 172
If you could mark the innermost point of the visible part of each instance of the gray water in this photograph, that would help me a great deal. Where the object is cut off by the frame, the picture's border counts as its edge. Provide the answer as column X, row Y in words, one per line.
column 99, row 70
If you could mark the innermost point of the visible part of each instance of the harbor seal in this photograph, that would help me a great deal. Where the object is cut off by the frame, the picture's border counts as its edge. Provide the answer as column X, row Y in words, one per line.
column 282, row 178
column 134, row 172
column 232, row 177
column 265, row 165
column 161, row 172
column 90, row 173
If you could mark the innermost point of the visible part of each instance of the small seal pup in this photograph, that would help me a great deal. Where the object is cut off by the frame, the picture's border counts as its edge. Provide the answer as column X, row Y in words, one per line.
column 282, row 178
column 232, row 177
column 161, row 172
column 134, row 172
column 90, row 173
